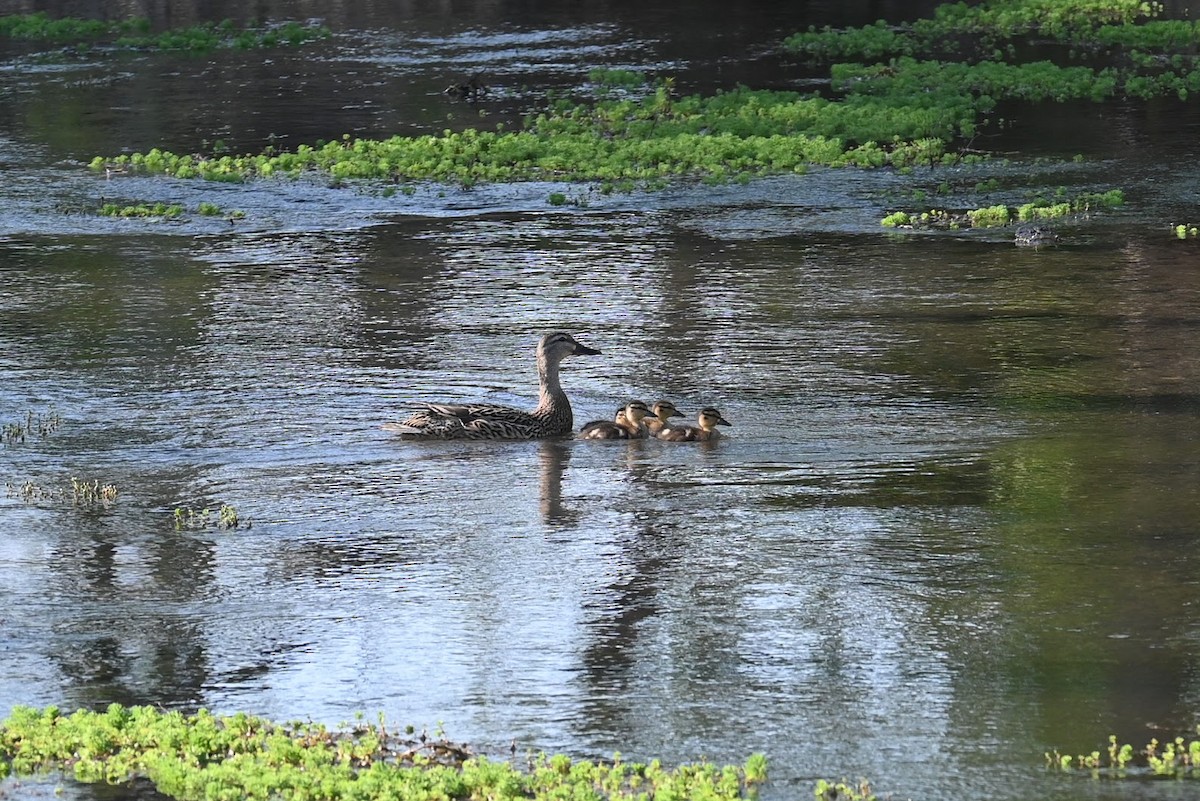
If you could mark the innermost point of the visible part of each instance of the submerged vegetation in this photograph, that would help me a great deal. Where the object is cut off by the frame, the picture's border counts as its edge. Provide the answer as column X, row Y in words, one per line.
column 39, row 424
column 245, row 757
column 136, row 33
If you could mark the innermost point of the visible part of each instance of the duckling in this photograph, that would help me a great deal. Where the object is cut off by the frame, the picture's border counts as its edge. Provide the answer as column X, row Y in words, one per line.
column 662, row 411
column 604, row 429
column 551, row 418
column 628, row 424
column 709, row 418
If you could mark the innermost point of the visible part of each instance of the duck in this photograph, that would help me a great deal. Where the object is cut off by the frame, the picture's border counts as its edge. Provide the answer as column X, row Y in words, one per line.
column 552, row 416
column 708, row 419
column 661, row 412
column 628, row 423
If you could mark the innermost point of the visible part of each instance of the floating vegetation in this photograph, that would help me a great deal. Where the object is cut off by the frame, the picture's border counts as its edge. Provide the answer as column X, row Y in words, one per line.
column 959, row 29
column 1178, row 758
column 903, row 113
column 246, row 757
column 37, row 424
column 167, row 211
column 136, row 33
column 617, row 78
column 733, row 134
column 1001, row 215
column 189, row 519
column 1186, row 230
column 80, row 493
column 40, row 27
column 208, row 209
column 209, row 36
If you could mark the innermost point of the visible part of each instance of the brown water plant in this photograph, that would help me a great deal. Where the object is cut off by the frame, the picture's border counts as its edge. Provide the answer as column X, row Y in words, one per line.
column 33, row 424
column 84, row 494
column 226, row 517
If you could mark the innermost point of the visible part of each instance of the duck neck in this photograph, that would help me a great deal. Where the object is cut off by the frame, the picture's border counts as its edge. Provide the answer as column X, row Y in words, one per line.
column 551, row 396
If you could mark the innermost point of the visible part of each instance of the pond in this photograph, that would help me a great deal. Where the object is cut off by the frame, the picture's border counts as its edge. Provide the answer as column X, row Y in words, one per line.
column 953, row 525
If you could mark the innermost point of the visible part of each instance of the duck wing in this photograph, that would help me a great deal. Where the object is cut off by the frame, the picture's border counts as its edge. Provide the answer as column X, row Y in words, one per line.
column 467, row 421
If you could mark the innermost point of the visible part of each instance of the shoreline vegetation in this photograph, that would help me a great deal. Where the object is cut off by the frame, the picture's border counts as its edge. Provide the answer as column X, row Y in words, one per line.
column 84, row 35
column 240, row 756
column 217, row 757
column 899, row 96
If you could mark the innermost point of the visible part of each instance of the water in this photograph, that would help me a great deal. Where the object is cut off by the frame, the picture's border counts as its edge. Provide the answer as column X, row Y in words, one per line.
column 953, row 524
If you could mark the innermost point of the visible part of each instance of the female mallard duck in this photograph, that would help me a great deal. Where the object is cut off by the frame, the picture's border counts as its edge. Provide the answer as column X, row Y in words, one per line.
column 551, row 418
column 661, row 412
column 628, row 424
column 709, row 418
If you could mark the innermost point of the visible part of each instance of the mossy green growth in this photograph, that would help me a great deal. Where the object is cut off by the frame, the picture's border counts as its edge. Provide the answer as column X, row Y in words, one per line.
column 161, row 210
column 206, row 756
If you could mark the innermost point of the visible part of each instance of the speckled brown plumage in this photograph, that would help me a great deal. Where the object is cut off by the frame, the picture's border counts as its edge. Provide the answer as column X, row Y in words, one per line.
column 551, row 418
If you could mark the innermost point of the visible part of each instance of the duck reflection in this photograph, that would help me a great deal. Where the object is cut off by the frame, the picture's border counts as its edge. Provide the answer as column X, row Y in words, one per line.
column 553, row 456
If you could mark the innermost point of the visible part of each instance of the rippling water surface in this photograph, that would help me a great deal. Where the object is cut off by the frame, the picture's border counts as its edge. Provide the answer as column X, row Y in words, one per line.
column 954, row 523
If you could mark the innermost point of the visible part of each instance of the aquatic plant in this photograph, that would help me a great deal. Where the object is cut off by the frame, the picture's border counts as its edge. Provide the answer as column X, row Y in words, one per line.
column 1183, row 230
column 616, row 78
column 1178, row 758
column 246, row 757
column 988, row 26
column 225, row 34
column 135, row 33
column 1001, row 215
column 37, row 424
column 209, row 209
column 164, row 210
column 92, row 494
column 39, row 26
column 80, row 493
column 844, row 791
column 989, row 217
column 189, row 519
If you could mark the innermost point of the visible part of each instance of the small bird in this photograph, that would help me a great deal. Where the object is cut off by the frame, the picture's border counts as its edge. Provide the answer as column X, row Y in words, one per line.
column 627, row 424
column 551, row 418
column 708, row 418
column 604, row 429
column 661, row 412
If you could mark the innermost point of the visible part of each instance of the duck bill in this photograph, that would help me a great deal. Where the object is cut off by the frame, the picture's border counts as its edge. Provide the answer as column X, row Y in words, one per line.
column 584, row 350
column 724, row 422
